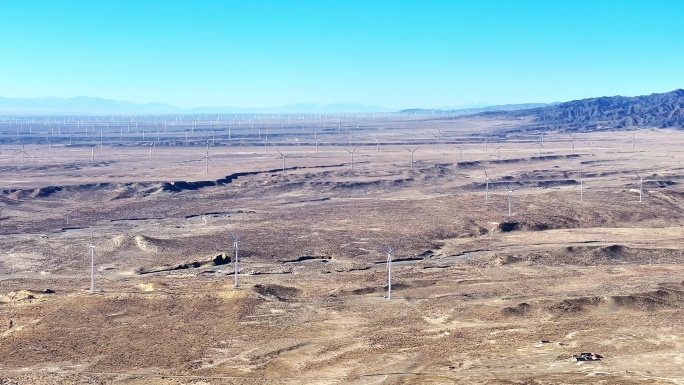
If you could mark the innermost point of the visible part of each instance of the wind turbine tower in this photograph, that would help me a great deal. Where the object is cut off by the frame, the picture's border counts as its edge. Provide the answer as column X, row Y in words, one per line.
column 92, row 154
column 207, row 159
column 412, row 151
column 641, row 187
column 572, row 143
column 389, row 251
column 352, row 157
column 283, row 156
column 486, row 185
column 92, row 268
column 236, row 244
column 581, row 187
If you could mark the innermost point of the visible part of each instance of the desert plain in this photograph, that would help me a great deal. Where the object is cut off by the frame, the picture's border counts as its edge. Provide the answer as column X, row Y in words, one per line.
column 512, row 249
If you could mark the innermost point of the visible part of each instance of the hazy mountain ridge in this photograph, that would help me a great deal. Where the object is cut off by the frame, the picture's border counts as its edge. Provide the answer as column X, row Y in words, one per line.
column 609, row 112
column 465, row 111
column 94, row 105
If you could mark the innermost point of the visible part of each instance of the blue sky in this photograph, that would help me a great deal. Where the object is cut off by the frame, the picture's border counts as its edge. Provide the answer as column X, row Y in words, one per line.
column 397, row 54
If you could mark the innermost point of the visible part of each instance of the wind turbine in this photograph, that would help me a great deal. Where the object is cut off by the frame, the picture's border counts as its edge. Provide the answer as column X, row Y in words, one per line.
column 92, row 154
column 541, row 147
column 24, row 155
column 581, row 187
column 352, row 156
column 92, row 267
column 236, row 244
column 437, row 139
column 486, row 185
column 633, row 140
column 498, row 151
column 572, row 143
column 150, row 156
column 411, row 151
column 389, row 251
column 283, row 156
column 461, row 148
column 266, row 142
column 207, row 159
column 641, row 185
column 17, row 152
column 510, row 199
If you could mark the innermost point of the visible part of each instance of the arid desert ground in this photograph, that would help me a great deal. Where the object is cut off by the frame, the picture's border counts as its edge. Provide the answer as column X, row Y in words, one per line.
column 475, row 290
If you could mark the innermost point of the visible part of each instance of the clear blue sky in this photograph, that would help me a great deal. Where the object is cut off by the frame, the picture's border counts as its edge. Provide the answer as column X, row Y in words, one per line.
column 398, row 54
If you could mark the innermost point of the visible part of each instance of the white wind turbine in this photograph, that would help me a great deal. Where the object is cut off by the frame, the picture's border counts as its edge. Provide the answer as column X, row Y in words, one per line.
column 389, row 251
column 283, row 156
column 498, row 152
column 266, row 142
column 24, row 155
column 461, row 148
column 151, row 151
column 17, row 152
column 412, row 151
column 207, row 159
column 581, row 187
column 541, row 147
column 641, row 186
column 438, row 138
column 486, row 184
column 572, row 143
column 92, row 267
column 92, row 153
column 510, row 200
column 236, row 244
column 352, row 156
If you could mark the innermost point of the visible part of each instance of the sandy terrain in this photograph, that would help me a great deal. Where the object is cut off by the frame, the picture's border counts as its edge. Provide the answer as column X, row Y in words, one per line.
column 475, row 290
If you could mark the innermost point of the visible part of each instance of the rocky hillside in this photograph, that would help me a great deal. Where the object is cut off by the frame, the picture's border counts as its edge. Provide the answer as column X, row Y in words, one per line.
column 609, row 113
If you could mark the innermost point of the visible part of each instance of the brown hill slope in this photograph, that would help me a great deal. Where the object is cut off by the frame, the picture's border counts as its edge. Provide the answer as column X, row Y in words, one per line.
column 608, row 113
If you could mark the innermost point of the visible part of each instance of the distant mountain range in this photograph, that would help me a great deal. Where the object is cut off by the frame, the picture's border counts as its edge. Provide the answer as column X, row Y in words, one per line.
column 467, row 111
column 607, row 113
column 603, row 113
column 90, row 105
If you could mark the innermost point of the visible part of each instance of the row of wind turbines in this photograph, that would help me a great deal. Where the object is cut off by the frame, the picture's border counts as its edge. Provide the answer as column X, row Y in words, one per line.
column 388, row 250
